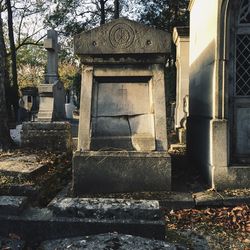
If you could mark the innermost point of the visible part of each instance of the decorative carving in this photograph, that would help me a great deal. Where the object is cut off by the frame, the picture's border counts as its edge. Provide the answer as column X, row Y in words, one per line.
column 121, row 36
column 244, row 17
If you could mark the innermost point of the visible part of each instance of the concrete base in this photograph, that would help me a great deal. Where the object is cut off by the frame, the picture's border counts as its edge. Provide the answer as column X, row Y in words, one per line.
column 106, row 171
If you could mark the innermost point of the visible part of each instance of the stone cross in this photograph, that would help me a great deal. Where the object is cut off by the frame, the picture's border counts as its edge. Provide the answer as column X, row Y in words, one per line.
column 52, row 47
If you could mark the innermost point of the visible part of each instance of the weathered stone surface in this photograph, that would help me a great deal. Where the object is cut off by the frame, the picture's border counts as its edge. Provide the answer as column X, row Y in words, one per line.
column 109, row 241
column 143, row 132
column 46, row 126
column 232, row 177
column 143, row 142
column 103, row 208
column 122, row 36
column 85, row 109
column 52, row 102
column 142, row 124
column 121, row 99
column 160, row 116
column 110, row 126
column 112, row 143
column 234, row 201
column 12, row 205
column 55, row 136
column 110, row 171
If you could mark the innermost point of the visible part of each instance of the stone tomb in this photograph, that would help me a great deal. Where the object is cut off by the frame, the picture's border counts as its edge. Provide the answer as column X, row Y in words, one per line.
column 122, row 142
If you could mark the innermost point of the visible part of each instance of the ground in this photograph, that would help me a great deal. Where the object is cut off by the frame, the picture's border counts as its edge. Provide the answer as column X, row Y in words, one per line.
column 205, row 228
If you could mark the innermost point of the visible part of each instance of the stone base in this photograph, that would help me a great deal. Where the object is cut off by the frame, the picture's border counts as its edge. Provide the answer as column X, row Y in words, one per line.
column 231, row 177
column 106, row 172
column 52, row 102
column 53, row 136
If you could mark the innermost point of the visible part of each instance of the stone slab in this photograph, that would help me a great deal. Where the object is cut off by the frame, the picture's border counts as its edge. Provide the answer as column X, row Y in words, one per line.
column 108, row 241
column 103, row 208
column 122, row 36
column 22, row 166
column 12, row 205
column 234, row 201
column 121, row 171
column 40, row 224
column 178, row 201
column 208, row 198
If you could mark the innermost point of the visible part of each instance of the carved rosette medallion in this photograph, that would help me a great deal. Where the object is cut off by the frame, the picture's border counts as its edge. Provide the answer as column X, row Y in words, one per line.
column 121, row 36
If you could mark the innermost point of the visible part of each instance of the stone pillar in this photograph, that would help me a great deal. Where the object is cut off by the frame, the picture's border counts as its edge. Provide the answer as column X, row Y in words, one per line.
column 160, row 107
column 85, row 109
column 181, row 40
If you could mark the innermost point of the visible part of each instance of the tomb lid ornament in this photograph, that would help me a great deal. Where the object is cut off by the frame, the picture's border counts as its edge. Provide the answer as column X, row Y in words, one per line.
column 122, row 36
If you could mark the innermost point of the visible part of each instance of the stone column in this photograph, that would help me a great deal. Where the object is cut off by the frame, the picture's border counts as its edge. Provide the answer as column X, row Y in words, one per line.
column 181, row 40
column 159, row 101
column 85, row 109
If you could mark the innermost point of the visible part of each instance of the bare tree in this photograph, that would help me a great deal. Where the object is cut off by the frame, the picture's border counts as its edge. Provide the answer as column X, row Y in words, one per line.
column 14, row 88
column 5, row 139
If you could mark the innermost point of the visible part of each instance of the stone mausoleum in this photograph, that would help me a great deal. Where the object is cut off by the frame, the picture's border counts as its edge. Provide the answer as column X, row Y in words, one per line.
column 122, row 143
column 219, row 115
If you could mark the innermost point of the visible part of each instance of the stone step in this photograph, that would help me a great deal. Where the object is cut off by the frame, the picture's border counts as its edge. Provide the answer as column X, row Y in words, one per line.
column 104, row 208
column 36, row 225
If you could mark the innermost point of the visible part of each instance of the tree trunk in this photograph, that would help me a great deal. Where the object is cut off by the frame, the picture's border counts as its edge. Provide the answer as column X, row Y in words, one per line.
column 5, row 140
column 14, row 90
column 116, row 9
column 102, row 3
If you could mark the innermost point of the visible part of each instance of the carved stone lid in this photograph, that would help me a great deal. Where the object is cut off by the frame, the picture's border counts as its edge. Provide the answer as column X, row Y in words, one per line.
column 122, row 36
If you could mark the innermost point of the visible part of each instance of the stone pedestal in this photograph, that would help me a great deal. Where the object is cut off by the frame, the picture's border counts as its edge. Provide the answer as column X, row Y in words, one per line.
column 123, row 109
column 109, row 171
column 52, row 102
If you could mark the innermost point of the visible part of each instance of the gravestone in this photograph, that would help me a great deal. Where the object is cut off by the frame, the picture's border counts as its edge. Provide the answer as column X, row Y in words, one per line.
column 52, row 94
column 50, row 131
column 122, row 139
